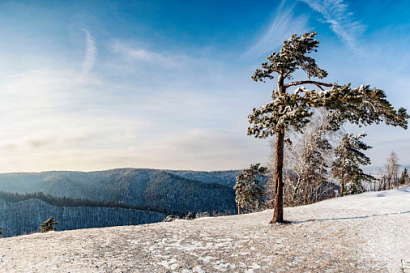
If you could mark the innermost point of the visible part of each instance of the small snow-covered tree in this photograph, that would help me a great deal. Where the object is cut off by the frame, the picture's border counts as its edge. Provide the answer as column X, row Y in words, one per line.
column 347, row 165
column 355, row 187
column 248, row 189
column 404, row 177
column 361, row 105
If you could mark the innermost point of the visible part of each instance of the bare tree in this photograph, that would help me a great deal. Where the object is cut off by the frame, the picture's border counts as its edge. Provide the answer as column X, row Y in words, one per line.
column 392, row 171
column 380, row 183
column 306, row 167
column 389, row 177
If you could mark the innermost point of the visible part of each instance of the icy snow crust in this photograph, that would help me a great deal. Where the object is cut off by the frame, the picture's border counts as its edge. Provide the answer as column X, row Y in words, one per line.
column 361, row 233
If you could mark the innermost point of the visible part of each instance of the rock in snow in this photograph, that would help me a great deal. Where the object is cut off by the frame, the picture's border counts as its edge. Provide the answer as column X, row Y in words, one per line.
column 360, row 233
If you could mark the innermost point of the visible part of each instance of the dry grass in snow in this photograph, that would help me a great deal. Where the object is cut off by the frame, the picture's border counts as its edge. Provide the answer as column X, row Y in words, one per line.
column 364, row 233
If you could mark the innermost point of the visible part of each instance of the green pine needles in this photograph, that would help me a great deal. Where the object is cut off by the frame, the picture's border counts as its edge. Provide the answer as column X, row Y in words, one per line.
column 248, row 190
column 349, row 158
column 361, row 106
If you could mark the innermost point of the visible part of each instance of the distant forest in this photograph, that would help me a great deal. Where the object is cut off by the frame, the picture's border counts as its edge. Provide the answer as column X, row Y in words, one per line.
column 169, row 192
column 110, row 198
column 70, row 202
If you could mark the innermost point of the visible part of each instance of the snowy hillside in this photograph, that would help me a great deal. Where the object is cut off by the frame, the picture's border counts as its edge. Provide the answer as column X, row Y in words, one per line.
column 361, row 233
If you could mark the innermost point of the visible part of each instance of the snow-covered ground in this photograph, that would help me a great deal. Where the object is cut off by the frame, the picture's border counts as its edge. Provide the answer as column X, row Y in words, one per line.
column 361, row 233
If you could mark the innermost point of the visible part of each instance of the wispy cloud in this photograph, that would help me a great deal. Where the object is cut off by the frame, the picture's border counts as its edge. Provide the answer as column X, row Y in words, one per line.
column 341, row 19
column 90, row 52
column 145, row 57
column 165, row 70
column 284, row 24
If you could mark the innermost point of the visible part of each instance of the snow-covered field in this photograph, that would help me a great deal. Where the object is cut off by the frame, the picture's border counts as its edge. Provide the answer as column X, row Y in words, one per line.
column 362, row 233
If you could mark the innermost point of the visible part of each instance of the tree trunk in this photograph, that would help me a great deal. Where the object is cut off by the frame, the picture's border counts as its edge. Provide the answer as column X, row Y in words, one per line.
column 278, row 179
column 342, row 181
column 278, row 175
column 239, row 209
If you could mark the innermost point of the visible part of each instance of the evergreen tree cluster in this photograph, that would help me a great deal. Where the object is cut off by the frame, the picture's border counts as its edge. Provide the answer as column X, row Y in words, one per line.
column 179, row 196
column 69, row 202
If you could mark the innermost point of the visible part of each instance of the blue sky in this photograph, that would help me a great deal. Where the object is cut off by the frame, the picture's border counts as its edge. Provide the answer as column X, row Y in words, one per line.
column 87, row 85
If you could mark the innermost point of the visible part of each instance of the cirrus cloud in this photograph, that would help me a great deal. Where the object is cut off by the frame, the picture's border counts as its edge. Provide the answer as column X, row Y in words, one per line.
column 341, row 19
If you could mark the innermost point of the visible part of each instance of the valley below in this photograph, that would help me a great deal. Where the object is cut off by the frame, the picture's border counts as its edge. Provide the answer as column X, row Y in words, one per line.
column 110, row 198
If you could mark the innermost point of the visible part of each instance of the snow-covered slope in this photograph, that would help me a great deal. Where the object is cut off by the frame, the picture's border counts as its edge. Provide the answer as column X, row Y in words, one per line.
column 385, row 220
column 361, row 233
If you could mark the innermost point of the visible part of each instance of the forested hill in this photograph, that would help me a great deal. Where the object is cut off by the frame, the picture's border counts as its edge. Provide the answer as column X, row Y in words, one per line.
column 17, row 218
column 162, row 190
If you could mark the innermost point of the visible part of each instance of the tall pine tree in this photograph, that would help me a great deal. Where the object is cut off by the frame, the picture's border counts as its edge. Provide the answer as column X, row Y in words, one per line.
column 361, row 105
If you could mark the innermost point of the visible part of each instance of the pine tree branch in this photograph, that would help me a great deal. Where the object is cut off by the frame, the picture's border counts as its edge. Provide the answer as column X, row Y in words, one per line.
column 318, row 84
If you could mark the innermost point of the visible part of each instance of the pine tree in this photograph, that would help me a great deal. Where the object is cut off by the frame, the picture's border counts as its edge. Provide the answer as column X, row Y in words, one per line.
column 361, row 105
column 346, row 166
column 404, row 178
column 248, row 190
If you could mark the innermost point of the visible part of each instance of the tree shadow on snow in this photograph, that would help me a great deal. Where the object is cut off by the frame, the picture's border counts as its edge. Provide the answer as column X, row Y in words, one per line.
column 350, row 218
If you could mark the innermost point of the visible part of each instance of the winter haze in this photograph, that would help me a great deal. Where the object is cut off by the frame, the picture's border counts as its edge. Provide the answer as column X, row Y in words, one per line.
column 166, row 84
